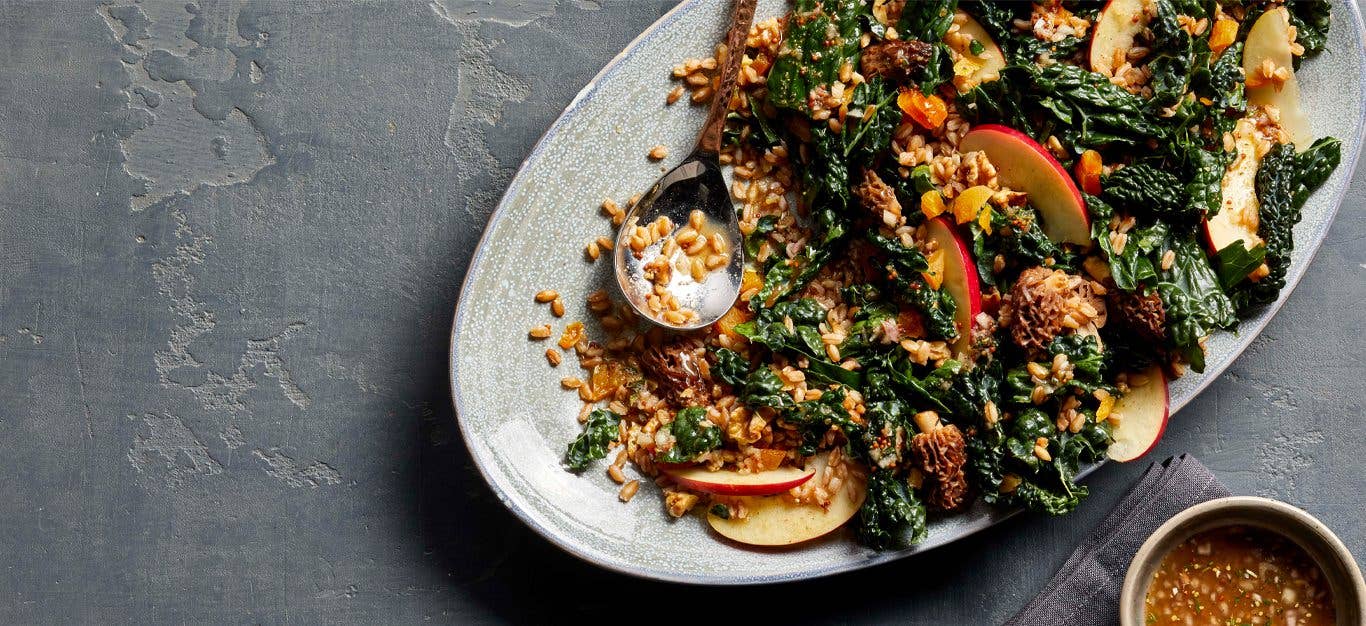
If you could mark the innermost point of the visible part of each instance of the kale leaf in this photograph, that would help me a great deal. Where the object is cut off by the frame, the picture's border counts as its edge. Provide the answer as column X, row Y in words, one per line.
column 694, row 435
column 904, row 265
column 892, row 516
column 599, row 432
column 1133, row 265
column 1194, row 302
column 730, row 368
column 1147, row 190
column 810, row 56
column 816, row 417
column 1284, row 181
column 1171, row 60
column 793, row 327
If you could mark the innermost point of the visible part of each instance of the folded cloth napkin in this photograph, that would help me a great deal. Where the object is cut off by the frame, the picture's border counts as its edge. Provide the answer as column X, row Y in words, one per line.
column 1085, row 590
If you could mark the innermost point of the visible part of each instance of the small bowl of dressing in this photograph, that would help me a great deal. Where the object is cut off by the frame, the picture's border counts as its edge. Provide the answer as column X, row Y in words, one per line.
column 1243, row 560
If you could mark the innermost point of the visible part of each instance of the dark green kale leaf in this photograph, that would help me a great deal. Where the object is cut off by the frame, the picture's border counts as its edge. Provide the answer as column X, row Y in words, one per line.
column 928, row 21
column 863, row 336
column 1311, row 19
column 1236, row 261
column 1171, row 59
column 1085, row 355
column 1041, row 499
column 756, row 237
column 730, row 368
column 1284, row 181
column 694, row 435
column 867, row 138
column 1133, row 266
column 986, row 460
column 1143, row 189
column 1194, row 302
column 904, row 265
column 1083, row 109
column 1019, row 239
column 810, row 57
column 763, row 388
column 892, row 516
column 599, row 432
column 784, row 276
column 1223, row 86
column 816, row 417
column 885, row 436
column 793, row 327
column 957, row 391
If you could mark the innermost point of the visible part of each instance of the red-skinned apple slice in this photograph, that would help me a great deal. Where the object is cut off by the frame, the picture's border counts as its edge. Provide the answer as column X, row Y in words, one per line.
column 1116, row 27
column 733, row 483
column 960, row 277
column 1239, row 211
column 1269, row 39
column 1024, row 165
column 1143, row 414
column 777, row 521
column 985, row 67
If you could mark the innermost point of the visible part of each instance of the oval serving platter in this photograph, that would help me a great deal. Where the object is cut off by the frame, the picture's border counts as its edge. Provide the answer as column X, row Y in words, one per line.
column 517, row 421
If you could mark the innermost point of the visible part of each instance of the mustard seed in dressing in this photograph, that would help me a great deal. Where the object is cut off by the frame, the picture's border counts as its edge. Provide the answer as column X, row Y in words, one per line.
column 1237, row 575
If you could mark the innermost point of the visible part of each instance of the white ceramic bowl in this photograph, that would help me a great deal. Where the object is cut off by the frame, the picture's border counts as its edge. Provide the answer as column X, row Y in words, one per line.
column 1339, row 568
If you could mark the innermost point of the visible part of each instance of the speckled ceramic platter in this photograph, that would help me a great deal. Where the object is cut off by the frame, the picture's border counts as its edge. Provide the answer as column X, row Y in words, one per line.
column 516, row 420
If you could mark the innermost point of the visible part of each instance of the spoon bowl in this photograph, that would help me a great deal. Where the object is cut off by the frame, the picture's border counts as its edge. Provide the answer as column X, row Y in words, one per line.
column 667, row 291
column 697, row 184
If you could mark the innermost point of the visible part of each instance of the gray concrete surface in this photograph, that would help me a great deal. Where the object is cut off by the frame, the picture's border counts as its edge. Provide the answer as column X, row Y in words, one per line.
column 231, row 239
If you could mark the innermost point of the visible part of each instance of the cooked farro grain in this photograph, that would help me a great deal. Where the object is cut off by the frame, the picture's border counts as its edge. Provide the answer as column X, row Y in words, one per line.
column 629, row 490
column 539, row 332
column 547, row 295
column 553, row 356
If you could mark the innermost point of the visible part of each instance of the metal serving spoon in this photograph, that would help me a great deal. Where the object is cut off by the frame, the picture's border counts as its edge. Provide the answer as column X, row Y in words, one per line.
column 695, row 184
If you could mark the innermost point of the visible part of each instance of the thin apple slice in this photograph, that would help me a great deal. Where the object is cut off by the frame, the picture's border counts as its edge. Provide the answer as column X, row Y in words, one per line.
column 1239, row 212
column 1118, row 24
column 777, row 521
column 733, row 483
column 959, row 277
column 974, row 69
column 1269, row 40
column 1024, row 165
column 1142, row 413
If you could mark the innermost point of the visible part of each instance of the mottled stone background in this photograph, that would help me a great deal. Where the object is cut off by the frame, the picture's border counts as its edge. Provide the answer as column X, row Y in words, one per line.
column 231, row 239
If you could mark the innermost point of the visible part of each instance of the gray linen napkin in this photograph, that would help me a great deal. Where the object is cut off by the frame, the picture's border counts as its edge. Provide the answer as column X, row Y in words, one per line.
column 1085, row 590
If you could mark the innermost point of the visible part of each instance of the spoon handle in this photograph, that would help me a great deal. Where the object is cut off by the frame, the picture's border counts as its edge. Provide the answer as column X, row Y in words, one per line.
column 740, row 19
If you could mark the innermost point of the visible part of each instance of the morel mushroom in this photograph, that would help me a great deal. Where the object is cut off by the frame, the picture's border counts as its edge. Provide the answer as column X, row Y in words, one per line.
column 895, row 60
column 1045, row 303
column 1141, row 314
column 877, row 196
column 676, row 366
column 940, row 452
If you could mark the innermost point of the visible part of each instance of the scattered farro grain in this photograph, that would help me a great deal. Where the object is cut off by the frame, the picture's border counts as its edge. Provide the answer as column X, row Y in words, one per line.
column 615, row 473
column 553, row 356
column 557, row 307
column 570, row 382
column 593, row 251
column 629, row 490
column 547, row 295
column 539, row 332
column 604, row 242
column 675, row 94
column 1168, row 258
